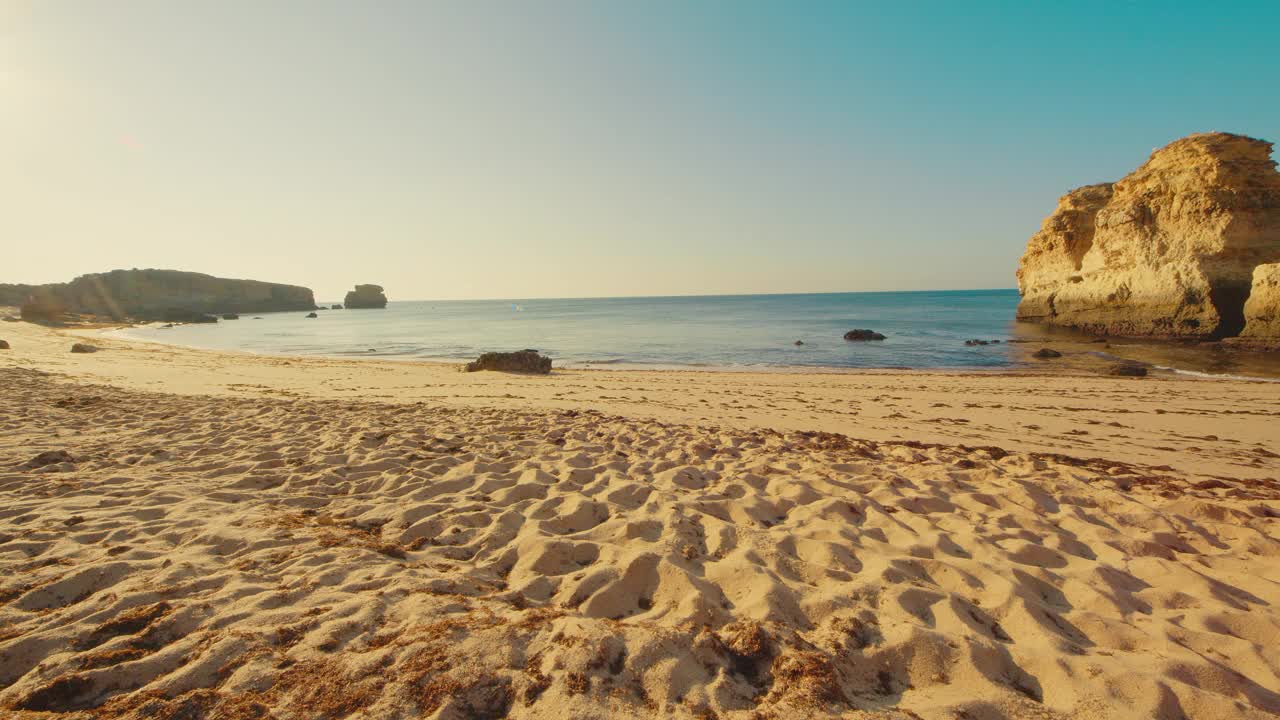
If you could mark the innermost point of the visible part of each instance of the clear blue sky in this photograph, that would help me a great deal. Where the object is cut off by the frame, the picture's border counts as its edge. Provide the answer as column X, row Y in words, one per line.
column 526, row 149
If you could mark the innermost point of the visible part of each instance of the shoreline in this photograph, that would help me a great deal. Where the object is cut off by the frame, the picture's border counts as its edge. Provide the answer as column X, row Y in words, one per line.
column 1024, row 366
column 1140, row 420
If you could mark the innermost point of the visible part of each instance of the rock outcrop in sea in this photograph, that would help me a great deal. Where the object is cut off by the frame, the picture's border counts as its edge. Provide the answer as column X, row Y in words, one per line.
column 365, row 296
column 154, row 295
column 1169, row 251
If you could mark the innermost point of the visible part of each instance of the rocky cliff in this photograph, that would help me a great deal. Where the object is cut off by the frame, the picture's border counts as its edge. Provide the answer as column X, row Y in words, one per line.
column 365, row 296
column 155, row 294
column 1262, row 310
column 1168, row 251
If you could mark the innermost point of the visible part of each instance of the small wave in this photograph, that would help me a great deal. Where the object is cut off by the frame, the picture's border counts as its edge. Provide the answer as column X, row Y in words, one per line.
column 1215, row 376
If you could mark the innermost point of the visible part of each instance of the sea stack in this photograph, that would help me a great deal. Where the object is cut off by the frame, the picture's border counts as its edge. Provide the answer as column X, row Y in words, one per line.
column 1169, row 251
column 365, row 296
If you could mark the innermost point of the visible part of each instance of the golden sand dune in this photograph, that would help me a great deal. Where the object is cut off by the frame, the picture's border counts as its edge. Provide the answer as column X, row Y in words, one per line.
column 248, row 557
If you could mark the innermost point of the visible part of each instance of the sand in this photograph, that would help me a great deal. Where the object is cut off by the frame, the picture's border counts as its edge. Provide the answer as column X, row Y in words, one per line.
column 188, row 534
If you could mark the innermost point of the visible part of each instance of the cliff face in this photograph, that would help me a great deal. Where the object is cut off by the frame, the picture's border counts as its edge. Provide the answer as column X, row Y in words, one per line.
column 151, row 294
column 1262, row 310
column 1168, row 251
column 365, row 296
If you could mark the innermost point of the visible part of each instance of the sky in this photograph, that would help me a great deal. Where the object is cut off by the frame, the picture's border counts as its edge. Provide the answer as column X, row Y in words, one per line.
column 592, row 148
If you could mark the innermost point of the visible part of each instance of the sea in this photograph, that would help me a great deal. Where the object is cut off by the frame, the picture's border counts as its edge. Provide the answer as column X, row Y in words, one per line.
column 924, row 330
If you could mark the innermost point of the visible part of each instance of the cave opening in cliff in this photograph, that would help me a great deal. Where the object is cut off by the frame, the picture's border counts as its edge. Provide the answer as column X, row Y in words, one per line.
column 1228, row 299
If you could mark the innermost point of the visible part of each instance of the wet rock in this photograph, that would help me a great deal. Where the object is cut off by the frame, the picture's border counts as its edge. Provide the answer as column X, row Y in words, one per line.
column 84, row 348
column 1046, row 354
column 863, row 335
column 1128, row 369
column 799, row 343
column 974, row 343
column 335, row 307
column 312, row 315
column 230, row 316
column 4, row 344
column 524, row 361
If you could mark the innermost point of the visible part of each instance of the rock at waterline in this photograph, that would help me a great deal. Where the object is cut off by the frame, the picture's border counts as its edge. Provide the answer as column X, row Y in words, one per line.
column 524, row 361
column 799, row 343
column 312, row 315
column 1046, row 353
column 1128, row 369
column 230, row 316
column 335, row 307
column 863, row 335
column 84, row 348
column 365, row 296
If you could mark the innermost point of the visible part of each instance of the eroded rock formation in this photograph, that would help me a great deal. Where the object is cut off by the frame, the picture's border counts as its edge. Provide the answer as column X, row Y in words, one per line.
column 1262, row 310
column 155, row 295
column 365, row 296
column 524, row 361
column 1168, row 251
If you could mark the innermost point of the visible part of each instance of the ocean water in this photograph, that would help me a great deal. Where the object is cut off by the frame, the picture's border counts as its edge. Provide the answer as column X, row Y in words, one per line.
column 924, row 329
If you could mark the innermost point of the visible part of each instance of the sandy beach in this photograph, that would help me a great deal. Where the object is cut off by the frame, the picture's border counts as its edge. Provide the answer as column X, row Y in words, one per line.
column 197, row 534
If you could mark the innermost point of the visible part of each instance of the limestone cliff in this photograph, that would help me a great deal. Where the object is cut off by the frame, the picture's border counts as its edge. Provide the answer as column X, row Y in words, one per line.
column 1168, row 251
column 1262, row 310
column 365, row 296
column 155, row 294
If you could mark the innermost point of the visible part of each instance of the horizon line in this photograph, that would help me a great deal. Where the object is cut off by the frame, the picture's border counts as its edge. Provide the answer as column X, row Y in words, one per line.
column 696, row 295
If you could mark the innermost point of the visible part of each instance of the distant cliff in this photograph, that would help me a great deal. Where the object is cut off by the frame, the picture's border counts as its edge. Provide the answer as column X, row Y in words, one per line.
column 153, row 294
column 1168, row 251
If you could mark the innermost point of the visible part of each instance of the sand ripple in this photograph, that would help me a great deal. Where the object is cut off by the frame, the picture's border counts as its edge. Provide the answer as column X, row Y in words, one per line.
column 204, row 557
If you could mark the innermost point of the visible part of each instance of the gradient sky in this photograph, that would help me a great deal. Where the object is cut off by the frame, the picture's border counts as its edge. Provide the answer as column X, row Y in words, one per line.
column 553, row 149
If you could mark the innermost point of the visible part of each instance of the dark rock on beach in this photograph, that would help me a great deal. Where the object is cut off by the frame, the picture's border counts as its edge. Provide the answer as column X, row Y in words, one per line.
column 799, row 343
column 524, row 361
column 84, row 348
column 50, row 457
column 4, row 344
column 335, row 307
column 312, row 315
column 1128, row 369
column 1046, row 354
column 863, row 335
column 230, row 316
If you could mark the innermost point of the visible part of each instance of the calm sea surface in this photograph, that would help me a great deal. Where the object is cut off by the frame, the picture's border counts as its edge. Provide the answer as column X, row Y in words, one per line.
column 924, row 329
